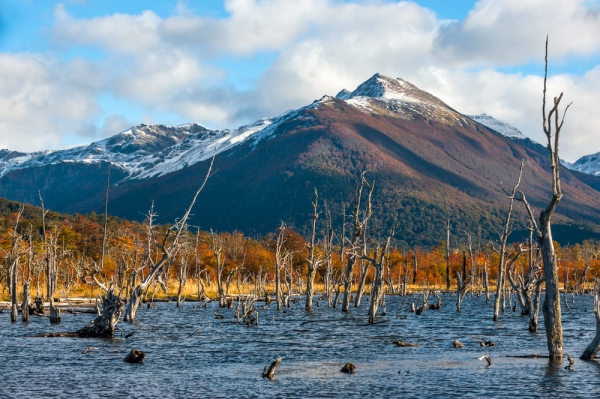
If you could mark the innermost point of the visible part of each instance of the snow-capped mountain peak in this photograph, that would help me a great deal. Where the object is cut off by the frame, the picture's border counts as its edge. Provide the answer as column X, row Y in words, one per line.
column 398, row 98
column 501, row 127
column 385, row 88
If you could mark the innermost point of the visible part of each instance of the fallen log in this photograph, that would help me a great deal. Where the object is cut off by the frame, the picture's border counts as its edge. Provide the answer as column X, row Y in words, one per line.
column 402, row 343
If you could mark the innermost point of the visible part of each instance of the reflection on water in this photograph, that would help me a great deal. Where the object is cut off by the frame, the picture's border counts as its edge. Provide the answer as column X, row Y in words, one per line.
column 226, row 359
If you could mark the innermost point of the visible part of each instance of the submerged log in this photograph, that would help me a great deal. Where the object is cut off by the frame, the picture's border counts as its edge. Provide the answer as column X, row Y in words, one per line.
column 348, row 368
column 270, row 372
column 135, row 357
column 402, row 343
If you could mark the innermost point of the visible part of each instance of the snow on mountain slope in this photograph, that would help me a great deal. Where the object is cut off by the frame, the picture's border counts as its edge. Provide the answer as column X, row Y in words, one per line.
column 589, row 164
column 503, row 128
column 152, row 150
column 121, row 149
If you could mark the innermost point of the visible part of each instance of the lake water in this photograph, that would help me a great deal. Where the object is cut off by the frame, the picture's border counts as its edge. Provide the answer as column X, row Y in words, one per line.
column 226, row 360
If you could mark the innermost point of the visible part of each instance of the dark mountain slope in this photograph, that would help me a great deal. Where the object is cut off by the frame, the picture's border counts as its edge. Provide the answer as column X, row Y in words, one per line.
column 424, row 169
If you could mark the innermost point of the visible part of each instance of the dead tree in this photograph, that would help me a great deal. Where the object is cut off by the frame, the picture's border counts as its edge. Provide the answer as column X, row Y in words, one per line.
column 415, row 265
column 377, row 262
column 103, row 326
column 503, row 239
column 448, row 255
column 486, row 282
column 182, row 275
column 167, row 249
column 592, row 349
column 328, row 248
column 462, row 282
column 551, row 306
column 14, row 255
column 314, row 260
column 280, row 260
column 364, row 271
column 358, row 225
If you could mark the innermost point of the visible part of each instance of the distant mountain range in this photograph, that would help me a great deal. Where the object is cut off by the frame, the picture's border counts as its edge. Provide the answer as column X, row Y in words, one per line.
column 429, row 162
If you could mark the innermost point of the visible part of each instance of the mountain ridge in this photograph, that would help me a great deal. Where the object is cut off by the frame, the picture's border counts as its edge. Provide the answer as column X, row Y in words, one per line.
column 429, row 161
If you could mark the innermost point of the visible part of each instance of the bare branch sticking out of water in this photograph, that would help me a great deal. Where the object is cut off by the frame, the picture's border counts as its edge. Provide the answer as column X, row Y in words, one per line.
column 487, row 358
column 571, row 362
column 270, row 372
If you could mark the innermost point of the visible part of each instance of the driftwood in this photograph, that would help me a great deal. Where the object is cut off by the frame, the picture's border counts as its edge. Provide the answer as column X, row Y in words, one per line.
column 404, row 344
column 86, row 350
column 487, row 358
column 571, row 362
column 135, row 357
column 270, row 371
column 348, row 368
column 484, row 342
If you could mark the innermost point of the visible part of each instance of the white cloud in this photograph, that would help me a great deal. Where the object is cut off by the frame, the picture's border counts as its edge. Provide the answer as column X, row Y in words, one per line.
column 41, row 98
column 172, row 64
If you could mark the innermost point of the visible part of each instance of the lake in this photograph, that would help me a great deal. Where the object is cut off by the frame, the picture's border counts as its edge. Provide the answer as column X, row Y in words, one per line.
column 226, row 360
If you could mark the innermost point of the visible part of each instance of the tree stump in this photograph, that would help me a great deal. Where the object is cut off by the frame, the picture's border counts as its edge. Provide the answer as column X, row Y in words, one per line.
column 458, row 344
column 54, row 313
column 39, row 305
column 348, row 368
column 135, row 357
column 104, row 325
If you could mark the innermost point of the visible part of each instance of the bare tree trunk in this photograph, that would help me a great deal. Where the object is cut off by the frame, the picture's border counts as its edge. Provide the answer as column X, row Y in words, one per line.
column 314, row 261
column 364, row 270
column 502, row 251
column 592, row 349
column 357, row 232
column 414, row 269
column 376, row 293
column 448, row 255
column 486, row 283
column 26, row 301
column 13, row 290
column 280, row 259
column 551, row 306
column 462, row 283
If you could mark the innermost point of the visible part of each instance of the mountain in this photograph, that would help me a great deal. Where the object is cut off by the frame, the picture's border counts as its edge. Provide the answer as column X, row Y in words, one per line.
column 589, row 164
column 429, row 163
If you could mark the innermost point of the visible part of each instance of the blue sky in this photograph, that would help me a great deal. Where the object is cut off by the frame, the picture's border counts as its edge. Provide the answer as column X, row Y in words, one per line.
column 80, row 70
